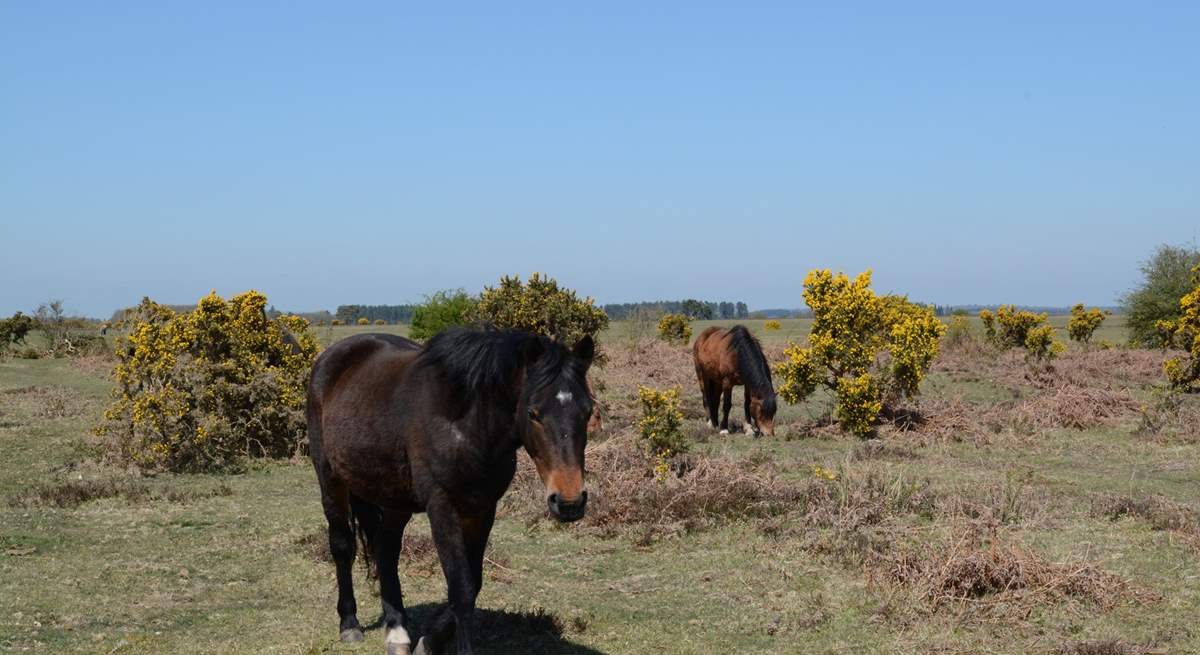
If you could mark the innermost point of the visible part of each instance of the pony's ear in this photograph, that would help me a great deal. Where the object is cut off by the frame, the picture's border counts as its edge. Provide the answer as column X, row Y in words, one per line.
column 532, row 350
column 585, row 348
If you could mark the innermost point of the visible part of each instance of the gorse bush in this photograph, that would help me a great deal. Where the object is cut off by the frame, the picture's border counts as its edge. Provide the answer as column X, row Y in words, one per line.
column 1010, row 327
column 337, row 321
column 661, row 425
column 958, row 332
column 13, row 330
column 1085, row 322
column 674, row 328
column 868, row 350
column 1166, row 279
column 1184, row 332
column 363, row 320
column 441, row 310
column 206, row 389
column 772, row 325
column 380, row 321
column 539, row 306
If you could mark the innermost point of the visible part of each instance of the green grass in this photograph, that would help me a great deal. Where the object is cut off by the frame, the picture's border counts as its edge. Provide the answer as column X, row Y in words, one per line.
column 228, row 572
column 791, row 329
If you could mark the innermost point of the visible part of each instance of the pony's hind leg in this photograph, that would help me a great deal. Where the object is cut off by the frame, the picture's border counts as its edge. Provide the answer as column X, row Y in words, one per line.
column 387, row 561
column 336, row 501
column 726, row 405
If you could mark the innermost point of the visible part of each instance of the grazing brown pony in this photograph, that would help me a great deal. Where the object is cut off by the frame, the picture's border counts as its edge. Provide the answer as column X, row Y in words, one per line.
column 728, row 358
column 395, row 428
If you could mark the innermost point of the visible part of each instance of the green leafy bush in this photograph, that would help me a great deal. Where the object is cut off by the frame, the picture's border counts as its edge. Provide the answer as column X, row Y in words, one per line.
column 539, row 306
column 441, row 310
column 1166, row 278
column 206, row 389
column 674, row 328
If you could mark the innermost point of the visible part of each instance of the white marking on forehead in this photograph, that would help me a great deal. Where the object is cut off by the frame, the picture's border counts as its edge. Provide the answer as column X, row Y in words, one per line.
column 456, row 433
column 564, row 396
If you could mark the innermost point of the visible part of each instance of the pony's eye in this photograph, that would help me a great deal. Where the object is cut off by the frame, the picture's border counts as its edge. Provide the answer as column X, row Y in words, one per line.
column 534, row 416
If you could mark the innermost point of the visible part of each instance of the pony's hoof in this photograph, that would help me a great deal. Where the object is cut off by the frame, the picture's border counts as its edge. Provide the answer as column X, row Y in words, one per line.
column 397, row 649
column 724, row 431
column 749, row 430
column 351, row 636
column 422, row 647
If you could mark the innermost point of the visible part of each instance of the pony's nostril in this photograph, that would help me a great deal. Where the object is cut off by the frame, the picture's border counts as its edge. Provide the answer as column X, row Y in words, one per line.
column 553, row 500
column 583, row 497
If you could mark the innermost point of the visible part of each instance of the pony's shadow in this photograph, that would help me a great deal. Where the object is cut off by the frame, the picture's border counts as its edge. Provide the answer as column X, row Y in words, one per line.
column 499, row 632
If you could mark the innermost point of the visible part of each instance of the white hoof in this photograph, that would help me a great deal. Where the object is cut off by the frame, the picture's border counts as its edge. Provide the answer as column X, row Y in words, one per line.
column 351, row 636
column 422, row 648
column 397, row 641
column 724, row 431
column 711, row 424
column 747, row 429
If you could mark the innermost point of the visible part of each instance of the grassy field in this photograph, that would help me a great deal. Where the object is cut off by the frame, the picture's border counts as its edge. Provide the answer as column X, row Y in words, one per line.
column 795, row 329
column 1026, row 512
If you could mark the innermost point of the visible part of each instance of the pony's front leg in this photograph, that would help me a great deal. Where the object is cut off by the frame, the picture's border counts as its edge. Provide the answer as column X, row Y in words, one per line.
column 460, row 541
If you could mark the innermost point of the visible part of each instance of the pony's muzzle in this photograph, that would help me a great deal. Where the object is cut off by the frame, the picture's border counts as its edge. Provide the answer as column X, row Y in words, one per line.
column 567, row 511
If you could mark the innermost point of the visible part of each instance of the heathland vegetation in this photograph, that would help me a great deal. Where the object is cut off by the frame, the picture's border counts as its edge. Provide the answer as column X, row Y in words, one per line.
column 157, row 499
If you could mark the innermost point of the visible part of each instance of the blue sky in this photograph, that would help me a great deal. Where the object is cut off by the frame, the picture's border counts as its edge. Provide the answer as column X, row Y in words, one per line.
column 357, row 152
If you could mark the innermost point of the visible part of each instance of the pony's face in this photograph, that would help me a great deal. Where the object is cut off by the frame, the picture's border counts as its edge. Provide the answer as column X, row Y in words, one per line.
column 556, row 434
column 762, row 410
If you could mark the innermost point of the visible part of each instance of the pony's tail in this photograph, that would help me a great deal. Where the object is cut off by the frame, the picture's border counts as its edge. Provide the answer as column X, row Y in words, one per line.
column 365, row 519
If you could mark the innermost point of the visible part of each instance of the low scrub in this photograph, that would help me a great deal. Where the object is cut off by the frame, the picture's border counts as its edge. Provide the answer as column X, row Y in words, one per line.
column 674, row 328
column 970, row 571
column 207, row 389
column 869, row 350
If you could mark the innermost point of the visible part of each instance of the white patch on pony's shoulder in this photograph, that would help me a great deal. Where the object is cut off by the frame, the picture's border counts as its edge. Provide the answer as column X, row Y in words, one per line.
column 564, row 396
column 397, row 635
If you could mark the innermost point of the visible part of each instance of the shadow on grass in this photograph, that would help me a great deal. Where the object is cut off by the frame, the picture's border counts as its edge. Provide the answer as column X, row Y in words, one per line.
column 508, row 632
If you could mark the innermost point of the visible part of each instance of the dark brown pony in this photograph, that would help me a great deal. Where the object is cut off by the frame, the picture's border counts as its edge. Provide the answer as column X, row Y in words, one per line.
column 728, row 358
column 395, row 428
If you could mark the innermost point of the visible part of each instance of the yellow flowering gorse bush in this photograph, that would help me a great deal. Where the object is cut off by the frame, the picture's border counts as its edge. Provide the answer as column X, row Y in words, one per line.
column 772, row 325
column 1085, row 322
column 206, row 389
column 1013, row 328
column 867, row 349
column 1184, row 332
column 662, row 422
column 674, row 328
column 539, row 306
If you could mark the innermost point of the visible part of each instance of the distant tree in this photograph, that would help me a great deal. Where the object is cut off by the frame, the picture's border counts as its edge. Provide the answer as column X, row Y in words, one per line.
column 726, row 310
column 694, row 309
column 742, row 311
column 1166, row 278
column 439, row 311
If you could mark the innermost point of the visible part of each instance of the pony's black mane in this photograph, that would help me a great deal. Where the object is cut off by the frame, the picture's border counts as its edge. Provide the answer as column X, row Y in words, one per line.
column 752, row 364
column 482, row 362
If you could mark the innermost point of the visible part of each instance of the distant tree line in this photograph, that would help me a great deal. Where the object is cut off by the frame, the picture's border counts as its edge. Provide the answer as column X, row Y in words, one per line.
column 349, row 314
column 692, row 308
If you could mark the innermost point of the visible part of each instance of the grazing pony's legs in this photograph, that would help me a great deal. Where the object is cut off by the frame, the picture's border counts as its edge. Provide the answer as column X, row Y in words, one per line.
column 460, row 542
column 704, row 394
column 712, row 395
column 725, row 406
column 751, row 427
